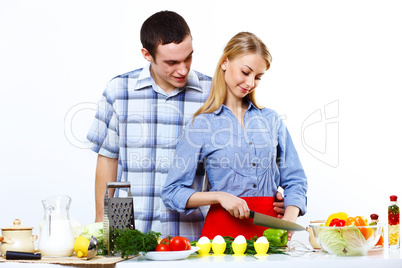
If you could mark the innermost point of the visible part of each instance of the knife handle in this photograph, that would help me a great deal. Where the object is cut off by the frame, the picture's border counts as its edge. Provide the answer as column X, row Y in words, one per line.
column 16, row 255
column 251, row 214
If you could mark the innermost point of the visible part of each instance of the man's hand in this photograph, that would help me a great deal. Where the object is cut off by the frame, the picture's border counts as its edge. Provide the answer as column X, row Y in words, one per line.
column 279, row 205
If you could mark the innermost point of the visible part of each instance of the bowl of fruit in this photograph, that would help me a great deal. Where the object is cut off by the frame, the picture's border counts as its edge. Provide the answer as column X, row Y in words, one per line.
column 347, row 236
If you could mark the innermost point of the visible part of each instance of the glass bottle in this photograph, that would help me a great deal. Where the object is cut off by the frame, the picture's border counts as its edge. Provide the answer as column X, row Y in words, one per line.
column 393, row 223
column 374, row 221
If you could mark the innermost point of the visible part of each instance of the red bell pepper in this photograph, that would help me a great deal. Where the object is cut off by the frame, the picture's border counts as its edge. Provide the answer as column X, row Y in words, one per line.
column 337, row 222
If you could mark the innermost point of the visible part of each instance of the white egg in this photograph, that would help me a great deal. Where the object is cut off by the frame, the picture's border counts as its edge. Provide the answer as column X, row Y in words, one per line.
column 240, row 240
column 218, row 239
column 262, row 240
column 203, row 240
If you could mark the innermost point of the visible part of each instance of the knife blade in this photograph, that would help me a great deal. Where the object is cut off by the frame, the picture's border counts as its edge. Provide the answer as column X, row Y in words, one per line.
column 275, row 223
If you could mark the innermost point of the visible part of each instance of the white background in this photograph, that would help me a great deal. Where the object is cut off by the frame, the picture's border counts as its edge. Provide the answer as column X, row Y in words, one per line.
column 335, row 78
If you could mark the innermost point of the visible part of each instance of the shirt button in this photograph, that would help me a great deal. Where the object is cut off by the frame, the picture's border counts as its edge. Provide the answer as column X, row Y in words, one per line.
column 254, row 186
column 253, row 164
column 250, row 143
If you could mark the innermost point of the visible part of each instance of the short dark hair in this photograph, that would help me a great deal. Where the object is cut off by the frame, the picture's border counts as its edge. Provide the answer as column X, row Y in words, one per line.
column 163, row 27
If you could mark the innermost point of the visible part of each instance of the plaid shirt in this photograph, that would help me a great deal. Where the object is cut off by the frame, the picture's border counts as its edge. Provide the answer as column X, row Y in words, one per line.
column 138, row 123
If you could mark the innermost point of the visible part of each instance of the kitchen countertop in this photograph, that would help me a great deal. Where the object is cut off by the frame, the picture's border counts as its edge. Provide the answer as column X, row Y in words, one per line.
column 374, row 259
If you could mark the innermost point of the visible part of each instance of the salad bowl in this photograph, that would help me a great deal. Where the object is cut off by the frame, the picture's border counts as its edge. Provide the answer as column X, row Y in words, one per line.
column 347, row 240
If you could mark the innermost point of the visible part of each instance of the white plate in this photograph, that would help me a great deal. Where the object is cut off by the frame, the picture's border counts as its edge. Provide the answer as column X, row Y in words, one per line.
column 169, row 255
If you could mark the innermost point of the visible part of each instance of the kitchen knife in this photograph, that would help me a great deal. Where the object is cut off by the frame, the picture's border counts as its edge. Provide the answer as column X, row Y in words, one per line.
column 275, row 223
column 17, row 255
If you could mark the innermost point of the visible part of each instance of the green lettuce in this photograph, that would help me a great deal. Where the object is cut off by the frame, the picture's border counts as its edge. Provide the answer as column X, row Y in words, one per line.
column 93, row 229
column 332, row 241
column 345, row 241
column 356, row 243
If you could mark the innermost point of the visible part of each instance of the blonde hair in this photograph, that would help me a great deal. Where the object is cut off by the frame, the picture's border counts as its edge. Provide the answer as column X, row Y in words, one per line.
column 241, row 44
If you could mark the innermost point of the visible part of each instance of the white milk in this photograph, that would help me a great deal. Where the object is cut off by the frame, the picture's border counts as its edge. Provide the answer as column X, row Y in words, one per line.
column 59, row 240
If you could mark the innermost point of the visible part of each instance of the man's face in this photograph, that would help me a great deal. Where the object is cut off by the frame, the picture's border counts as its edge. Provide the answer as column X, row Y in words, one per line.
column 171, row 64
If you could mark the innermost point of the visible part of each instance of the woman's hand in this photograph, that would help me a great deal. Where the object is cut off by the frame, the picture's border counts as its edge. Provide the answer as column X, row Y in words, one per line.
column 291, row 214
column 236, row 206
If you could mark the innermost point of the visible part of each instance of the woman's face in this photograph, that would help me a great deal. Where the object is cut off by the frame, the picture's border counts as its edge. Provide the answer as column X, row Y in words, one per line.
column 242, row 74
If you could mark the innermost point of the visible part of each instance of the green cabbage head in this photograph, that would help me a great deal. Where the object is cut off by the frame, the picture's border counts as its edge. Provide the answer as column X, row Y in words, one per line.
column 345, row 241
column 93, row 229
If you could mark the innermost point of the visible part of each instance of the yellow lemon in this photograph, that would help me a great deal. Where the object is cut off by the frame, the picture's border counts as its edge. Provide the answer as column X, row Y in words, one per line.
column 81, row 246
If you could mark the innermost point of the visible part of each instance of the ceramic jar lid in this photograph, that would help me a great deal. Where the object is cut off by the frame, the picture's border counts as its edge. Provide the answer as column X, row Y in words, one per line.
column 17, row 226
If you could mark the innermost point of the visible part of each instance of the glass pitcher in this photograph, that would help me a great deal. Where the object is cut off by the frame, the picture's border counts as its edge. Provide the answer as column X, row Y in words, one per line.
column 56, row 236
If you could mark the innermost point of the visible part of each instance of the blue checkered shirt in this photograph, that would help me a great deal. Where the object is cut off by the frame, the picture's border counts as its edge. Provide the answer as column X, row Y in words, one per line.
column 138, row 123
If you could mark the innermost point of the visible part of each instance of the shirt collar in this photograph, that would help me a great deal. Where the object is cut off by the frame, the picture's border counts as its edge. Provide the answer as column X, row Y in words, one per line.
column 250, row 107
column 145, row 80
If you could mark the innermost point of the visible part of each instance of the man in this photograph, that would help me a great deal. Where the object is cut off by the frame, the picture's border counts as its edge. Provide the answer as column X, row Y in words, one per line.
column 139, row 121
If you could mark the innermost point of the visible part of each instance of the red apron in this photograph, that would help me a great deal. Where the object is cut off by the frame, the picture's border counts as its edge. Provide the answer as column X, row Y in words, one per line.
column 220, row 222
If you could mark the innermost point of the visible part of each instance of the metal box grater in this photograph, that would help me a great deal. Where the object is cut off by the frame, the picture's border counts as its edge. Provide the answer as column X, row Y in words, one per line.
column 118, row 213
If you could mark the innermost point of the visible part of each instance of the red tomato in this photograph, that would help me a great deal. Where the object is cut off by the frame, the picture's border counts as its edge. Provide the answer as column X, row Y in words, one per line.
column 188, row 244
column 178, row 243
column 162, row 247
column 166, row 240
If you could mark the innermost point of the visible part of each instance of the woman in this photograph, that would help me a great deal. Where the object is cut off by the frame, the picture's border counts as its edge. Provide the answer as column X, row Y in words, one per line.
column 246, row 150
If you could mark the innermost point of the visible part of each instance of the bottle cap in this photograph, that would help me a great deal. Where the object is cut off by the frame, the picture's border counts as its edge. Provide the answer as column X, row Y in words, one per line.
column 374, row 217
column 393, row 198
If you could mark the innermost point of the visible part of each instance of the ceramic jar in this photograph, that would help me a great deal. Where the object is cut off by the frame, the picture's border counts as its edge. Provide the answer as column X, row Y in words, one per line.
column 17, row 238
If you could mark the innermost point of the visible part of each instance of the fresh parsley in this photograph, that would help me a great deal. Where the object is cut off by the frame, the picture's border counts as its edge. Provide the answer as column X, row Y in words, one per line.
column 129, row 242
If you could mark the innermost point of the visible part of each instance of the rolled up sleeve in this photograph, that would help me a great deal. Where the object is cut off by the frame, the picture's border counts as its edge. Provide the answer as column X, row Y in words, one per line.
column 103, row 135
column 182, row 181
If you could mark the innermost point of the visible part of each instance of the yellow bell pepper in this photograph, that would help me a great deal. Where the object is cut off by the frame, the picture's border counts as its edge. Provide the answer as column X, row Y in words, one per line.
column 339, row 215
